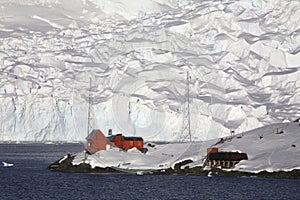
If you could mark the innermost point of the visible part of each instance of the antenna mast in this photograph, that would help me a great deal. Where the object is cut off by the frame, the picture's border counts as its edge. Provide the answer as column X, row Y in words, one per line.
column 89, row 124
column 188, row 101
column 186, row 128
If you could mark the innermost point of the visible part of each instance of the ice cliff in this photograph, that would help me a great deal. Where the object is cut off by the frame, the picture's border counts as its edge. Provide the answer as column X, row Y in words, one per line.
column 242, row 57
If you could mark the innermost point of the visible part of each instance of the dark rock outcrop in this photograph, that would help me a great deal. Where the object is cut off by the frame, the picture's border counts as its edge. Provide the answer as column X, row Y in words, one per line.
column 65, row 165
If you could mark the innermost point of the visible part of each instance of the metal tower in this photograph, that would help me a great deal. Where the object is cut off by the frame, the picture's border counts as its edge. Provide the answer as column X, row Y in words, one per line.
column 186, row 125
column 90, row 123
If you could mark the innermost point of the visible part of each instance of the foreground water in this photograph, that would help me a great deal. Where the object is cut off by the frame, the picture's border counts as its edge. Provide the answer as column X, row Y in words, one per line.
column 30, row 179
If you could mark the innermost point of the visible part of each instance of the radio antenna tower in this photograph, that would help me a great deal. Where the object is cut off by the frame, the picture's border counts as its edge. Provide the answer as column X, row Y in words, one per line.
column 90, row 111
column 186, row 125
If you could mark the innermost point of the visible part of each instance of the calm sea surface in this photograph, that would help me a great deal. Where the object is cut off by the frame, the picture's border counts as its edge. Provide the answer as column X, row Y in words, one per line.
column 30, row 179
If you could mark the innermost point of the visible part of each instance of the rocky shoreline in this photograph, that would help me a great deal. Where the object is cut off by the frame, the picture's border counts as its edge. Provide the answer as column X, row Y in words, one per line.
column 65, row 165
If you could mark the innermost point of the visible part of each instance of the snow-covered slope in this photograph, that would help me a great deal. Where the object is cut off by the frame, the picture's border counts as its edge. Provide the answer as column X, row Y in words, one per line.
column 270, row 148
column 243, row 58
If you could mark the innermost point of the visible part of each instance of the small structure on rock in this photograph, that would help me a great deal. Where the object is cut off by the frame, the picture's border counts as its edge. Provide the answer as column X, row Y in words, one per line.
column 215, row 158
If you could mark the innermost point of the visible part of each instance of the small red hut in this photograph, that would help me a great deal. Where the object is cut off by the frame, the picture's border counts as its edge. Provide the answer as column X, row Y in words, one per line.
column 212, row 150
column 96, row 141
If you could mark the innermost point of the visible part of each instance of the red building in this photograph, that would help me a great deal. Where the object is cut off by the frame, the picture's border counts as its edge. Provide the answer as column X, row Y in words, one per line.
column 127, row 142
column 96, row 141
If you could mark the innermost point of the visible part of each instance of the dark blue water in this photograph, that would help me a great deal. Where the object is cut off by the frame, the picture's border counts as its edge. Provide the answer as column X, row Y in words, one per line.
column 30, row 179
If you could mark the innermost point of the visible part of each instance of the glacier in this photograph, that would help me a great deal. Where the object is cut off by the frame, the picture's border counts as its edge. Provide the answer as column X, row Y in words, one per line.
column 242, row 58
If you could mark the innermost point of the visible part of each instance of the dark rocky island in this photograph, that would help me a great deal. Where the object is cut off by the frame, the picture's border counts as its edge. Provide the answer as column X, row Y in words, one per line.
column 65, row 165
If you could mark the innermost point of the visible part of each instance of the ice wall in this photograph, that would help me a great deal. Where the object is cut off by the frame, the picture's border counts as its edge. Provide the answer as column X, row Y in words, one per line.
column 242, row 57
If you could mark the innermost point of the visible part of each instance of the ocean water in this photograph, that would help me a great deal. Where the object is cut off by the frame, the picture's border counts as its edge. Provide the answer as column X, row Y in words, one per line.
column 30, row 179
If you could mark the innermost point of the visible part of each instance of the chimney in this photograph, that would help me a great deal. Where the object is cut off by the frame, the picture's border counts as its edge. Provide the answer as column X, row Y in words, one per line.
column 109, row 131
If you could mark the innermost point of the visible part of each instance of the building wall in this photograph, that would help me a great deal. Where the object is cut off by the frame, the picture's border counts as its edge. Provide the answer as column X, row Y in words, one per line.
column 118, row 141
column 97, row 143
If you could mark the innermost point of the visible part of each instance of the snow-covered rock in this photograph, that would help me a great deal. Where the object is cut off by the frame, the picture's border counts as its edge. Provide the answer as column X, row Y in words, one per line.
column 270, row 148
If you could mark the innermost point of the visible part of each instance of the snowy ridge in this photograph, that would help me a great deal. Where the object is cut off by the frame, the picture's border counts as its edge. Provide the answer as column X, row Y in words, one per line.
column 271, row 148
column 243, row 58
